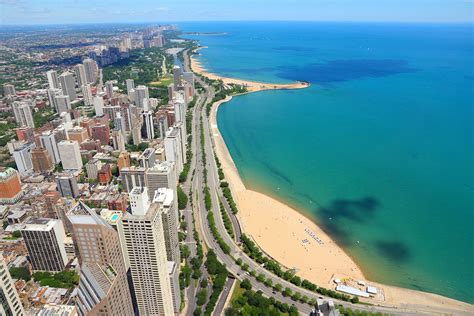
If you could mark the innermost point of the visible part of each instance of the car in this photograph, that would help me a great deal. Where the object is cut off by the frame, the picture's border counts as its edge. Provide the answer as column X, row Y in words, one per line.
column 273, row 292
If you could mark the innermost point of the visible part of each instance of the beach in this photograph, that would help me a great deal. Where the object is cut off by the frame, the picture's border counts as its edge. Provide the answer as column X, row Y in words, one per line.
column 296, row 241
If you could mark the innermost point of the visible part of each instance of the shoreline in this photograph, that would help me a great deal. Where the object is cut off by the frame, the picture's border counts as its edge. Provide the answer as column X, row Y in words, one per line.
column 280, row 230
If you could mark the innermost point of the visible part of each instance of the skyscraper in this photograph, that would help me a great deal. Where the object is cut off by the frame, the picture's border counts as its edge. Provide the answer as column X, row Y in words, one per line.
column 63, row 103
column 70, row 155
column 66, row 185
column 141, row 92
column 44, row 239
column 177, row 76
column 164, row 197
column 118, row 140
column 161, row 175
column 173, row 148
column 130, row 85
column 87, row 94
column 90, row 67
column 103, row 287
column 148, row 127
column 22, row 113
column 52, row 93
column 48, row 141
column 145, row 254
column 99, row 105
column 123, row 160
column 109, row 89
column 80, row 75
column 10, row 304
column 23, row 159
column 148, row 158
column 53, row 80
column 132, row 177
column 10, row 186
column 42, row 161
column 68, row 85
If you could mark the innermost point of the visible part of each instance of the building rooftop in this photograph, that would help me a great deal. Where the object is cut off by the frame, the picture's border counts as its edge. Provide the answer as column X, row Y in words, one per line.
column 39, row 224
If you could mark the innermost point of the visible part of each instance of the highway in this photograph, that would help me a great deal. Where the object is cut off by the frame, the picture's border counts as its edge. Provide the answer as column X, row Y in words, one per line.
column 200, row 214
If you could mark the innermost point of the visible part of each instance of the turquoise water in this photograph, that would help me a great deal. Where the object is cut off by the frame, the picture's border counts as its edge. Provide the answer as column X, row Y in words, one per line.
column 378, row 151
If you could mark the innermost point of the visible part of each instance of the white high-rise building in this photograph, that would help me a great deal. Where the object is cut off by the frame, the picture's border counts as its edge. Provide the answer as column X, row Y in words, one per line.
column 142, row 237
column 70, row 155
column 109, row 89
column 80, row 75
column 52, row 94
column 99, row 105
column 53, row 80
column 63, row 103
column 130, row 85
column 68, row 85
column 188, row 76
column 48, row 141
column 10, row 303
column 173, row 148
column 87, row 94
column 44, row 239
column 161, row 175
column 141, row 92
column 148, row 125
column 162, row 126
column 164, row 197
column 22, row 113
column 23, row 160
column 90, row 67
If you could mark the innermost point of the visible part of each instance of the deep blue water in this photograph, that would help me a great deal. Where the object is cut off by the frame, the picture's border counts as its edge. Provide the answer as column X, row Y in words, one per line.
column 378, row 151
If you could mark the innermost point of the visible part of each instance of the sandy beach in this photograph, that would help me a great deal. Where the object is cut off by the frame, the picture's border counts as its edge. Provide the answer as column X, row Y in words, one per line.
column 252, row 86
column 295, row 240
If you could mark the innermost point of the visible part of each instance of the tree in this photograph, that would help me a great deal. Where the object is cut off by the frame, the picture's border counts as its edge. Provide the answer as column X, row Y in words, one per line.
column 287, row 292
column 201, row 297
column 245, row 284
column 261, row 277
column 182, row 199
column 355, row 299
column 278, row 287
column 5, row 224
column 16, row 234
column 268, row 282
column 185, row 252
column 204, row 283
column 20, row 273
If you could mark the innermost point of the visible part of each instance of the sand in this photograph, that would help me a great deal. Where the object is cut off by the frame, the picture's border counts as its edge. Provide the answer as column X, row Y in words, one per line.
column 295, row 240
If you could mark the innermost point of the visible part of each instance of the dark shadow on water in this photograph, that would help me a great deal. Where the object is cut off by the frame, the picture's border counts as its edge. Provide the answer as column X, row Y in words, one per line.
column 334, row 71
column 358, row 210
column 393, row 250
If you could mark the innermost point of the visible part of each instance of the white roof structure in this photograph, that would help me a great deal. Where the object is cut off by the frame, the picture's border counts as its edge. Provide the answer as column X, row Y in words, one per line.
column 351, row 290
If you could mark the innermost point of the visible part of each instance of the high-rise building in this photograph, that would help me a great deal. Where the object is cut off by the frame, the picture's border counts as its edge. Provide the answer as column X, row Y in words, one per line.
column 145, row 254
column 42, row 161
column 118, row 140
column 130, row 85
column 109, row 89
column 162, row 126
column 44, row 239
column 148, row 129
column 78, row 134
column 87, row 94
column 103, row 287
column 48, row 141
column 176, row 76
column 123, row 160
column 70, row 155
column 22, row 113
column 10, row 304
column 66, row 185
column 173, row 148
column 52, row 93
column 188, row 76
column 161, row 175
column 68, row 85
column 9, row 90
column 99, row 105
column 63, row 103
column 53, row 80
column 80, row 72
column 148, row 158
column 10, row 186
column 173, row 272
column 23, row 159
column 90, row 67
column 132, row 177
column 141, row 92
column 164, row 197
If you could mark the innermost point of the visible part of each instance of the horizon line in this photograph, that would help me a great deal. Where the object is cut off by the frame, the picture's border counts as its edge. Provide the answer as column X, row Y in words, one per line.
column 223, row 21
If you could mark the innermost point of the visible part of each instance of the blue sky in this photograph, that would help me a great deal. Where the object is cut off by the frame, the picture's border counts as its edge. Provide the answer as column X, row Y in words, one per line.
column 85, row 11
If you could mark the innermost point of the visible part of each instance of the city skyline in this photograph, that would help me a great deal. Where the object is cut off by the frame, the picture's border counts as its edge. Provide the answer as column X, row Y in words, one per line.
column 50, row 12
